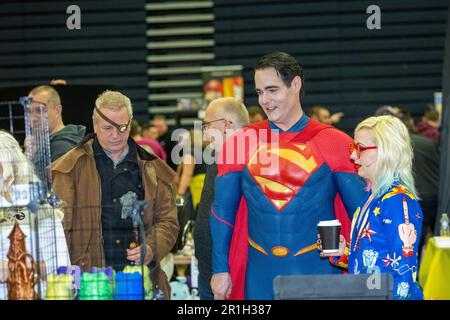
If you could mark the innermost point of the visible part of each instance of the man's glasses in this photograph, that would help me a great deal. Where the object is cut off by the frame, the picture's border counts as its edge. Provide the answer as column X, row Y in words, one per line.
column 356, row 147
column 121, row 127
column 205, row 125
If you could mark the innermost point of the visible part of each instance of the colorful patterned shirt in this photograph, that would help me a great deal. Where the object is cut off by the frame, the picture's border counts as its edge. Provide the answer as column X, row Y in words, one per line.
column 385, row 238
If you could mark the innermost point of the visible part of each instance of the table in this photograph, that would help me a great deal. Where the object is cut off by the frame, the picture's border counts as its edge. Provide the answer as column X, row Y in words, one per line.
column 434, row 273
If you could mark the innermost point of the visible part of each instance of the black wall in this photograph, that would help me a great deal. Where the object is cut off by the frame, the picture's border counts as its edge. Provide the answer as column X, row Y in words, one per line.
column 347, row 67
column 109, row 49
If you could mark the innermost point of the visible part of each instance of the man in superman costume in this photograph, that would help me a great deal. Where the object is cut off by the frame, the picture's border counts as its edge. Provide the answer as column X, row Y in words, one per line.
column 276, row 180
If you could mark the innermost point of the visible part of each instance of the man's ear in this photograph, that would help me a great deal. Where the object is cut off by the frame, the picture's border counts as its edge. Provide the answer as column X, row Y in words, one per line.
column 59, row 108
column 297, row 83
column 228, row 124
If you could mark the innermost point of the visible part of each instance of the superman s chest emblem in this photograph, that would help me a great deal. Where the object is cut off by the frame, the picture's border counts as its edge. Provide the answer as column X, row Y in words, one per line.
column 282, row 169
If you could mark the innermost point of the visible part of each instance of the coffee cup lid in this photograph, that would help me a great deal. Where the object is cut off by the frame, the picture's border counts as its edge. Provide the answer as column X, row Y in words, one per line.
column 329, row 223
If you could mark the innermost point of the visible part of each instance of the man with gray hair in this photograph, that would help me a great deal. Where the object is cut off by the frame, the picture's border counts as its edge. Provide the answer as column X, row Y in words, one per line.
column 100, row 180
column 223, row 117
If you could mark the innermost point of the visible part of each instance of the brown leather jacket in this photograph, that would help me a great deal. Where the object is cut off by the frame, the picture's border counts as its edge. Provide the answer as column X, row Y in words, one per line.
column 77, row 183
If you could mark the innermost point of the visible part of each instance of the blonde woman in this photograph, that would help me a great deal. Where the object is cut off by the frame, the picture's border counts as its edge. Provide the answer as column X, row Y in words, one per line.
column 386, row 227
column 43, row 228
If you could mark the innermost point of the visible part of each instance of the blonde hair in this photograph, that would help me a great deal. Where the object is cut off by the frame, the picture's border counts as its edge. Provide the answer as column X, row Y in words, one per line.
column 17, row 168
column 50, row 91
column 112, row 100
column 395, row 154
column 233, row 109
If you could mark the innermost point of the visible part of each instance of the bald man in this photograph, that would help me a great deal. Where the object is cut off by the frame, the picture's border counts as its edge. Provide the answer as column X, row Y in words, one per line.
column 223, row 117
column 62, row 137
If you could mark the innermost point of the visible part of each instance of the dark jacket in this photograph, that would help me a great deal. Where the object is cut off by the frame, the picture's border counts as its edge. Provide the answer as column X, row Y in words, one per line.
column 65, row 139
column 425, row 165
column 202, row 234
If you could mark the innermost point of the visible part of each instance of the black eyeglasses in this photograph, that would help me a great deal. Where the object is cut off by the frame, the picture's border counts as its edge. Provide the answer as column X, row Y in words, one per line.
column 206, row 124
column 121, row 127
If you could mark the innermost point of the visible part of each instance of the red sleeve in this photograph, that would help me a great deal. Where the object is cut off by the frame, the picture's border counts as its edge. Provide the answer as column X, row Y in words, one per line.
column 234, row 152
column 334, row 146
column 341, row 261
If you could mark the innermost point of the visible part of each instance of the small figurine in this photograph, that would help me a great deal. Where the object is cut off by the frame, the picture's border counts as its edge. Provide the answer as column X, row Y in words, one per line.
column 20, row 280
column 134, row 209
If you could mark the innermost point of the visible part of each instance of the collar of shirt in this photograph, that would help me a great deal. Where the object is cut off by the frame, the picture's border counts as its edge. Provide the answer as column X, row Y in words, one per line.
column 297, row 127
column 129, row 154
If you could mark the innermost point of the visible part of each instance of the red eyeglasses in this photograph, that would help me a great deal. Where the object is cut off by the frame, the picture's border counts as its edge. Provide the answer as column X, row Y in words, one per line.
column 356, row 147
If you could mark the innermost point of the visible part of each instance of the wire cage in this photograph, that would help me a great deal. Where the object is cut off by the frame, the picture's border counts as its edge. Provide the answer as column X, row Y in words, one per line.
column 35, row 254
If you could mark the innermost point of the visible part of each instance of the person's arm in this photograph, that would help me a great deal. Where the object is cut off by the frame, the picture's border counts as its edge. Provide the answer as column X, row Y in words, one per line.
column 336, row 117
column 336, row 150
column 187, row 171
column 222, row 217
column 402, row 217
column 351, row 190
column 227, row 197
column 223, row 211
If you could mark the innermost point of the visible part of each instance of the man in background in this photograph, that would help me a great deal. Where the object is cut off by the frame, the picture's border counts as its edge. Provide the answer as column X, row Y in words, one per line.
column 429, row 125
column 322, row 114
column 165, row 138
column 425, row 168
column 223, row 117
column 62, row 137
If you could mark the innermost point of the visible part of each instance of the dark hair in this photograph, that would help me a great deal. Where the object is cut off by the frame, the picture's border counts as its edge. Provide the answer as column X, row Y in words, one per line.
column 431, row 113
column 285, row 65
column 399, row 113
column 388, row 110
column 408, row 120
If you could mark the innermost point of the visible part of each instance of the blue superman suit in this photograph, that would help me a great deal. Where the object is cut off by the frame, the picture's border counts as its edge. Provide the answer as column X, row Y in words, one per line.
column 287, row 182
